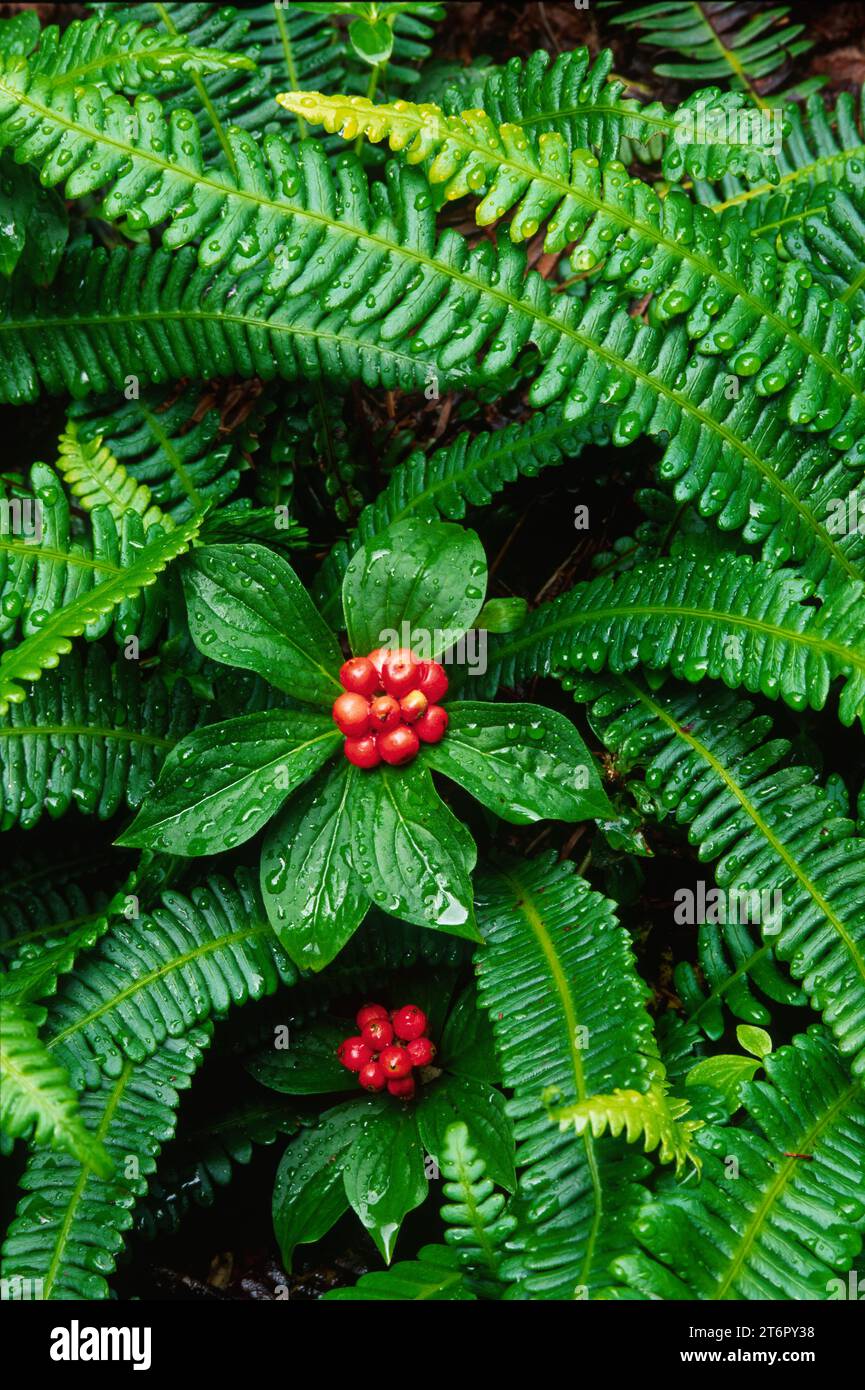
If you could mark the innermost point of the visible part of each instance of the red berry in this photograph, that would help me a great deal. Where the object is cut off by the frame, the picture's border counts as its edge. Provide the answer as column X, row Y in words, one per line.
column 404, row 1087
column 421, row 1052
column 362, row 752
column 354, row 1053
column 378, row 658
column 432, row 726
column 368, row 1011
column 359, row 676
column 408, row 1022
column 398, row 745
column 372, row 1077
column 413, row 705
column 400, row 673
column 395, row 1061
column 377, row 1032
column 384, row 713
column 351, row 715
column 433, row 682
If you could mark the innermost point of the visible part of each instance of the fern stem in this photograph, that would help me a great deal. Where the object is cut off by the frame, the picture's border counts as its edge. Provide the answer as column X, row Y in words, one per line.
column 203, row 95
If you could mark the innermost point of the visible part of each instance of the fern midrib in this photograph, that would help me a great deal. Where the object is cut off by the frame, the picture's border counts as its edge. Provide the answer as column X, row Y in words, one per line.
column 206, row 948
column 119, row 58
column 676, row 249
column 484, row 1243
column 676, row 611
column 740, row 795
column 728, row 56
column 203, row 94
column 45, row 552
column 41, row 1096
column 13, row 942
column 741, row 972
column 753, row 1229
column 167, row 445
column 804, row 171
column 85, row 731
column 526, row 907
column 288, row 53
column 517, row 306
column 111, row 1106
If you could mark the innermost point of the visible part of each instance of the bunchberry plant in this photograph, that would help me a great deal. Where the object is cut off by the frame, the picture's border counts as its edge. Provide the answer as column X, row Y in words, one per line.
column 432, row 617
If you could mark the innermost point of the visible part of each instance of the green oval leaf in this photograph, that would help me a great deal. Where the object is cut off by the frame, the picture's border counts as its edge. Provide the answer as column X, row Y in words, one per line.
column 418, row 584
column 384, row 1173
column 222, row 783
column 248, row 608
column 371, row 42
column 726, row 1074
column 308, row 1066
column 524, row 762
column 410, row 851
column 314, row 898
column 309, row 1192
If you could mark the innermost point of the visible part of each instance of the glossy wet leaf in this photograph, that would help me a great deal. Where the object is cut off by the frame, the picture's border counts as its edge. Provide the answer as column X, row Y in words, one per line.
column 224, row 782
column 248, row 608
column 371, row 42
column 524, row 762
column 309, row 1193
column 384, row 1172
column 307, row 1065
column 726, row 1074
column 482, row 1108
column 408, row 851
column 314, row 897
column 419, row 584
column 466, row 1046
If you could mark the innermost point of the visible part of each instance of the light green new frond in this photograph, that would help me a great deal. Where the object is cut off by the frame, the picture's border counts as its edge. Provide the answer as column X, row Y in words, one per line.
column 37, row 1101
column 475, row 1215
column 654, row 1116
column 93, row 475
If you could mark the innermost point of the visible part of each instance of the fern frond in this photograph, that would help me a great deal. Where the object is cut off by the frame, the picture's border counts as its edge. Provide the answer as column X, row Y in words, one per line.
column 574, row 97
column 92, row 734
column 180, row 454
column 763, row 1223
column 176, row 966
column 93, row 475
column 476, row 1221
column 157, row 315
column 41, row 904
column 70, row 1225
column 774, row 831
column 725, row 618
column 654, row 1116
column 710, row 43
column 731, row 962
column 469, row 472
column 142, row 559
column 557, row 976
column 36, row 1100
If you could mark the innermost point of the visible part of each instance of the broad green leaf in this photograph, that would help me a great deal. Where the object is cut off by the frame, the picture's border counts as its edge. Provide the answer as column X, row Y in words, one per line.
column 725, row 1074
column 482, row 1108
column 754, row 1040
column 524, row 762
column 467, row 1047
column 419, row 584
column 410, row 858
column 314, row 898
column 308, row 1066
column 436, row 1276
column 222, row 783
column 384, row 1173
column 248, row 608
column 309, row 1192
column 371, row 42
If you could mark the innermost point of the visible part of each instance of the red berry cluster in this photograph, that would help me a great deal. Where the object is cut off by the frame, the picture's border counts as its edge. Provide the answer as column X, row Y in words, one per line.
column 389, row 707
column 387, row 1048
